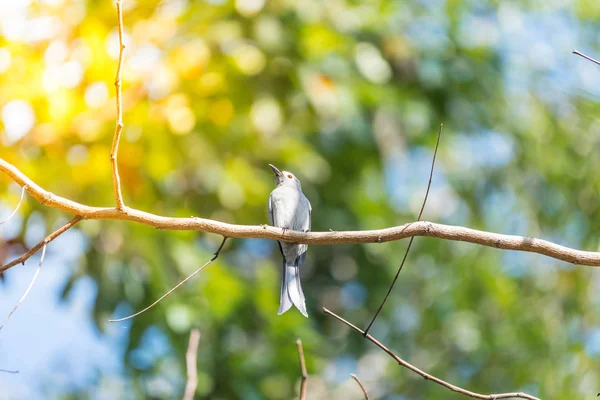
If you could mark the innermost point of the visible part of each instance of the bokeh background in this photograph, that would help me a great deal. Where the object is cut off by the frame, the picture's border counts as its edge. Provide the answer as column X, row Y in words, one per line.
column 349, row 96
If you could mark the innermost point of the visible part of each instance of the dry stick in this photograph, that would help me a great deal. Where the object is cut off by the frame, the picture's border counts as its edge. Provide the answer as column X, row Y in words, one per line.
column 586, row 57
column 44, row 242
column 8, row 371
column 115, row 144
column 190, row 362
column 423, row 228
column 429, row 377
column 37, row 271
column 304, row 377
column 437, row 143
column 17, row 207
column 361, row 386
column 176, row 286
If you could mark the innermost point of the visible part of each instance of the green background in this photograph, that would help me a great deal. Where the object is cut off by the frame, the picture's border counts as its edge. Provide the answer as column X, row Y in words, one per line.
column 348, row 95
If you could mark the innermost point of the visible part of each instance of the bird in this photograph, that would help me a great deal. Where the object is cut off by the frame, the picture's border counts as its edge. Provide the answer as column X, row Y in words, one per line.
column 290, row 209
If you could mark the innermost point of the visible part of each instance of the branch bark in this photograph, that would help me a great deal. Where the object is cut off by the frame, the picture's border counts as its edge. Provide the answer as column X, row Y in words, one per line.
column 43, row 243
column 191, row 356
column 427, row 376
column 423, row 228
column 304, row 376
column 362, row 387
column 115, row 144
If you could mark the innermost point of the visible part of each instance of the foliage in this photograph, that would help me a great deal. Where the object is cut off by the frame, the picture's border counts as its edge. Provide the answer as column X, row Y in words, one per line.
column 347, row 95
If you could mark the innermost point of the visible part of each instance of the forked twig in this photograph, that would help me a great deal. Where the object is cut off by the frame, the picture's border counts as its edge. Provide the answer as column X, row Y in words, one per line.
column 191, row 357
column 176, row 286
column 364, row 390
column 427, row 376
column 437, row 143
column 586, row 57
column 119, row 127
column 304, row 377
column 37, row 272
column 44, row 242
column 17, row 207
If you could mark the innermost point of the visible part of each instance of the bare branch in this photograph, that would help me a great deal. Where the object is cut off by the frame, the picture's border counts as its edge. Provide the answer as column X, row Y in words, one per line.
column 429, row 377
column 43, row 243
column 304, row 375
column 176, row 286
column 586, row 57
column 8, row 371
column 423, row 228
column 437, row 144
column 364, row 390
column 17, row 207
column 37, row 272
column 115, row 144
column 190, row 361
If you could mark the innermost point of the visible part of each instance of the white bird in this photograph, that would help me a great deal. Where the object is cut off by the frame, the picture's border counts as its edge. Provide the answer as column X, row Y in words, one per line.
column 290, row 209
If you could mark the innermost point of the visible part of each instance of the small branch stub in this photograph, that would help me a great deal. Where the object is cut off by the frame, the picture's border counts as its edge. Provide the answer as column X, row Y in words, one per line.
column 362, row 387
column 304, row 376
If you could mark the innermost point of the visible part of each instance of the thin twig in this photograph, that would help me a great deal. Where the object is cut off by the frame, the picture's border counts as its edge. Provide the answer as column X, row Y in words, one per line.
column 364, row 390
column 191, row 356
column 586, row 57
column 423, row 228
column 304, row 376
column 43, row 243
column 119, row 127
column 17, row 207
column 176, row 286
column 427, row 376
column 8, row 371
column 437, row 143
column 37, row 271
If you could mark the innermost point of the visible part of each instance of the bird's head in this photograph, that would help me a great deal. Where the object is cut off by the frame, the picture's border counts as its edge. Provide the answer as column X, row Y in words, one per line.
column 285, row 178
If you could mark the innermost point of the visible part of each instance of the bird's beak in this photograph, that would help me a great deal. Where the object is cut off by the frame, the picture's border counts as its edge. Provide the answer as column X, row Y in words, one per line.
column 276, row 171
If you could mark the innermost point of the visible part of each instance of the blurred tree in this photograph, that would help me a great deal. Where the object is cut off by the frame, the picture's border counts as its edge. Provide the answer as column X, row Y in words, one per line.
column 348, row 95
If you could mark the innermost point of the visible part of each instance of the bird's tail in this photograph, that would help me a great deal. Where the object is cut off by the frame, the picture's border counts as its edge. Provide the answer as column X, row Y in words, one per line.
column 291, row 289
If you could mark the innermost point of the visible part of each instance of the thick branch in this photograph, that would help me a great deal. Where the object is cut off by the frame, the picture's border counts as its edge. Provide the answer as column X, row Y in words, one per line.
column 429, row 377
column 115, row 145
column 423, row 228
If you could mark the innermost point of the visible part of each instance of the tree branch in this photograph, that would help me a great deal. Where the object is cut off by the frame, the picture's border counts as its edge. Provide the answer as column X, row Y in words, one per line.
column 37, row 272
column 423, row 228
column 304, row 375
column 16, row 208
column 190, row 361
column 43, row 243
column 115, row 144
column 586, row 57
column 362, row 387
column 429, row 377
column 437, row 144
column 190, row 276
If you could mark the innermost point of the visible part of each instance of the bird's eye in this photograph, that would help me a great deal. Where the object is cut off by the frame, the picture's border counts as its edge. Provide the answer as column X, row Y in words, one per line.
column 290, row 176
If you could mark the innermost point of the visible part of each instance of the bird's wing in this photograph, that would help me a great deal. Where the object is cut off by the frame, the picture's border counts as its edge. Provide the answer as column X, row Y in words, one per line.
column 272, row 221
column 309, row 215
column 305, row 227
column 271, row 209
